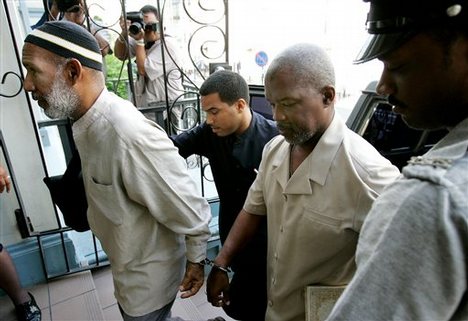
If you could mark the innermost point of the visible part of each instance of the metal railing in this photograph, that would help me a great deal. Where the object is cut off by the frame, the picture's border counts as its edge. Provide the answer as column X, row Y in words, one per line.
column 184, row 113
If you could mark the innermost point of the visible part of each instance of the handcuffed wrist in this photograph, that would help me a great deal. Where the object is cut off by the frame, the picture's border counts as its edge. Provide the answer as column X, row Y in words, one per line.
column 207, row 261
column 203, row 262
column 226, row 269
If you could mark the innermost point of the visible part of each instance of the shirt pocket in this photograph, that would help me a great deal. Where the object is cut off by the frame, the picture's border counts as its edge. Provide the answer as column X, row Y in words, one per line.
column 311, row 214
column 317, row 227
column 104, row 202
column 322, row 234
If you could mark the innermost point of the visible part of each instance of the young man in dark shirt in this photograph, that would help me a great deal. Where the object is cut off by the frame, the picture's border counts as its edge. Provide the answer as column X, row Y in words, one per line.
column 232, row 138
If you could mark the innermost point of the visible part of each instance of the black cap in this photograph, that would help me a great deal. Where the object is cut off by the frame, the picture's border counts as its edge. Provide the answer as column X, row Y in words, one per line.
column 392, row 22
column 69, row 40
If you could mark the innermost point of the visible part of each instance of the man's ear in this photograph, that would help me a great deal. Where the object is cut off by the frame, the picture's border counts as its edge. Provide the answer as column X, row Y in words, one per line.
column 74, row 71
column 328, row 94
column 241, row 104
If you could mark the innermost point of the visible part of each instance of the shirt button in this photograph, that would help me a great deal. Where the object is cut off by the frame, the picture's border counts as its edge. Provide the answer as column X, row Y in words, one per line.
column 276, row 256
column 285, row 197
column 273, row 281
column 281, row 229
column 270, row 303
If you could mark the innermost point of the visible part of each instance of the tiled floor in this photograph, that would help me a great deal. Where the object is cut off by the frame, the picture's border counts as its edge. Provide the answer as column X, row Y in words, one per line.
column 89, row 296
column 73, row 297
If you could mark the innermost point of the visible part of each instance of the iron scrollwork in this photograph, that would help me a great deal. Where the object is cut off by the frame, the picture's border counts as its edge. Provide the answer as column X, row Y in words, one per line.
column 206, row 42
column 211, row 41
column 20, row 81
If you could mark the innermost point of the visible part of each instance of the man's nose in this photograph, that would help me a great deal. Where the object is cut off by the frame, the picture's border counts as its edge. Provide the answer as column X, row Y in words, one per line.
column 278, row 114
column 385, row 86
column 27, row 83
column 209, row 119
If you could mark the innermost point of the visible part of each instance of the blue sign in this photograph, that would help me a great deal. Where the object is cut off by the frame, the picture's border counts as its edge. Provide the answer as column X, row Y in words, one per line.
column 261, row 58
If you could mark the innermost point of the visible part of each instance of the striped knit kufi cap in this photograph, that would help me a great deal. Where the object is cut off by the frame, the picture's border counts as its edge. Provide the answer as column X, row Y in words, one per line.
column 68, row 40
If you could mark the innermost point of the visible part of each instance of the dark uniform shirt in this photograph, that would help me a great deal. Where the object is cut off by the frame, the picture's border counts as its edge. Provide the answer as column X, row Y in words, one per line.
column 233, row 160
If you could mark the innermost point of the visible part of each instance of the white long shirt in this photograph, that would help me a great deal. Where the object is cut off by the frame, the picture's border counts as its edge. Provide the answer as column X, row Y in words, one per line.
column 142, row 204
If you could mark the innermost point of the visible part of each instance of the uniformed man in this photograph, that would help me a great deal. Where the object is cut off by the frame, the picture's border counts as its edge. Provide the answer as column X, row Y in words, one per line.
column 412, row 255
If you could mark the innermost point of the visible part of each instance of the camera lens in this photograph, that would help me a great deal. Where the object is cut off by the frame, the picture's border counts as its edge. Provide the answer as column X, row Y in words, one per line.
column 135, row 28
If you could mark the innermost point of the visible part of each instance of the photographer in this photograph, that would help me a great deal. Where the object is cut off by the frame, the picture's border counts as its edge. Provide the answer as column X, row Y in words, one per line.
column 75, row 11
column 144, row 43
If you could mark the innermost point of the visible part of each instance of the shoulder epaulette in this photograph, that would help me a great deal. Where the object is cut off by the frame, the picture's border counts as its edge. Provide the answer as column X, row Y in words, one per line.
column 435, row 162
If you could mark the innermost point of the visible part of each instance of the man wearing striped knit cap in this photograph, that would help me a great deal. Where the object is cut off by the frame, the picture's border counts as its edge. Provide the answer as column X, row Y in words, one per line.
column 141, row 203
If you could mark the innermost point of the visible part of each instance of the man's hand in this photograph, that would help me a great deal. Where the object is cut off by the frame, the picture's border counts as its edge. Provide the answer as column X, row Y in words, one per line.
column 138, row 36
column 217, row 287
column 5, row 181
column 124, row 24
column 193, row 279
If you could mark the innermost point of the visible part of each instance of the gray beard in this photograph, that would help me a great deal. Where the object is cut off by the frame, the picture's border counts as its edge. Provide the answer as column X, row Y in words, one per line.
column 63, row 101
column 299, row 138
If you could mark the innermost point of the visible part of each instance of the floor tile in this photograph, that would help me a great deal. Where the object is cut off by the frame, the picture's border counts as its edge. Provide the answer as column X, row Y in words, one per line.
column 208, row 311
column 185, row 309
column 70, row 286
column 46, row 314
column 105, row 286
column 75, row 297
column 7, row 310
column 81, row 307
column 195, row 308
column 112, row 313
column 41, row 293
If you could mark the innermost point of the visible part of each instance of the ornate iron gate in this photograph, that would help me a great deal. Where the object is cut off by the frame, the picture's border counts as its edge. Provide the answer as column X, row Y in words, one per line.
column 205, row 31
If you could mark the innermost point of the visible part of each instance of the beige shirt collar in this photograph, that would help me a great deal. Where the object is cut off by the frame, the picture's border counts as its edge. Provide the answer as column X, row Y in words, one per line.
column 317, row 168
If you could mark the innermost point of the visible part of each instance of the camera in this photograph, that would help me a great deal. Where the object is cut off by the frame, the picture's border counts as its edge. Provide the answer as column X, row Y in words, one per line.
column 136, row 18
